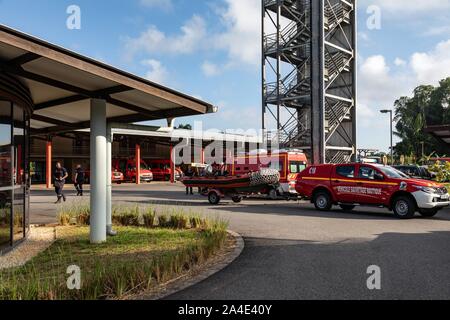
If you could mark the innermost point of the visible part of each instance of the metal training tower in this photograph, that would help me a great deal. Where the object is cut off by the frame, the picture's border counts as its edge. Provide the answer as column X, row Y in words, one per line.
column 309, row 76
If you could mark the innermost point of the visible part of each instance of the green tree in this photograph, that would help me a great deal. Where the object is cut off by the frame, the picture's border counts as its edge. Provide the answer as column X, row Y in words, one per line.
column 185, row 126
column 428, row 105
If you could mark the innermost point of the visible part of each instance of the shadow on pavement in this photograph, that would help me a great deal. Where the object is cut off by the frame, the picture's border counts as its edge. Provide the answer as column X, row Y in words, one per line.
column 413, row 266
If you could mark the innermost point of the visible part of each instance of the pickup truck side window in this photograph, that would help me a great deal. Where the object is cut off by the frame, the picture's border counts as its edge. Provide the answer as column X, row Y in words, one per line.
column 367, row 173
column 346, row 171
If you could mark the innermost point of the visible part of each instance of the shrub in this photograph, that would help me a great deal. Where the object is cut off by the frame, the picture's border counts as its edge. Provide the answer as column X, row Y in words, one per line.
column 179, row 221
column 149, row 218
column 196, row 222
column 64, row 218
column 163, row 221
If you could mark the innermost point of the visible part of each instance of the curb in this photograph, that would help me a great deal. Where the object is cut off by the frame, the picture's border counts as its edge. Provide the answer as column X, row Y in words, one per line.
column 184, row 282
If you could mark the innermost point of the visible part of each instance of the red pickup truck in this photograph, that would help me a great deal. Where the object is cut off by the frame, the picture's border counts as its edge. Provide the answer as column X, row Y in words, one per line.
column 350, row 185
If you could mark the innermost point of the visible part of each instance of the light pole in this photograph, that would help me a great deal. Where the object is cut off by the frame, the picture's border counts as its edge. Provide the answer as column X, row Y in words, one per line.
column 392, row 132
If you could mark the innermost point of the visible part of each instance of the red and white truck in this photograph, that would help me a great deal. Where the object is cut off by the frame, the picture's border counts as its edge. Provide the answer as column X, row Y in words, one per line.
column 128, row 167
column 351, row 185
column 161, row 169
column 289, row 163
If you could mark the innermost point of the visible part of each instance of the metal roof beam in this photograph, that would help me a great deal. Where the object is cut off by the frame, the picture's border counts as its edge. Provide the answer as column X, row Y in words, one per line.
column 25, row 58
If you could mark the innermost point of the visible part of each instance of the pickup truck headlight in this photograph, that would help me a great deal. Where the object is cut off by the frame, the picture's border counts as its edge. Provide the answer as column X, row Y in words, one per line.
column 427, row 189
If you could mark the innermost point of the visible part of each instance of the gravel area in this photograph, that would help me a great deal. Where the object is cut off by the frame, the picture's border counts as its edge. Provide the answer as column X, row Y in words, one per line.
column 39, row 239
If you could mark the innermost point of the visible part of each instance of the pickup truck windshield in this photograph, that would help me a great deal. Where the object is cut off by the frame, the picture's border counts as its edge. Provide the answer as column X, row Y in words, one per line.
column 391, row 172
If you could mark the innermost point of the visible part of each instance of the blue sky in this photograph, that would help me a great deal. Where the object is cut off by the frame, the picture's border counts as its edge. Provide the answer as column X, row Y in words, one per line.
column 210, row 49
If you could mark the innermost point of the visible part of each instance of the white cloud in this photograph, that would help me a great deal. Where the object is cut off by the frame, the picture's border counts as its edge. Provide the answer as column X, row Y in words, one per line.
column 210, row 69
column 164, row 4
column 379, row 86
column 192, row 34
column 400, row 62
column 433, row 66
column 242, row 37
column 157, row 72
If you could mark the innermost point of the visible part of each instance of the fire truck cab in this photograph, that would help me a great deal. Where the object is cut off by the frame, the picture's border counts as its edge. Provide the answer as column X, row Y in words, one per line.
column 288, row 162
column 351, row 185
column 128, row 167
column 161, row 169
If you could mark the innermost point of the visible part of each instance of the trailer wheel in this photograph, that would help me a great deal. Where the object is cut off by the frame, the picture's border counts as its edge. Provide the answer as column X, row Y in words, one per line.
column 237, row 199
column 213, row 198
column 322, row 201
column 273, row 194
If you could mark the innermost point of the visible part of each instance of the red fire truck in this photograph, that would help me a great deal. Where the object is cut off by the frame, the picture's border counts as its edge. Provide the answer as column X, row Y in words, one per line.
column 128, row 167
column 350, row 185
column 288, row 162
column 161, row 169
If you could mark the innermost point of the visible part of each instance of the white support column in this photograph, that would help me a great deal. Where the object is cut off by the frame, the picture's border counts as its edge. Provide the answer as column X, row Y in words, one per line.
column 109, row 140
column 98, row 172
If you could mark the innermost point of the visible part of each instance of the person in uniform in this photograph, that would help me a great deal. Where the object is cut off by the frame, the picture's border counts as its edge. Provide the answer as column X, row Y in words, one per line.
column 190, row 174
column 60, row 175
column 79, row 180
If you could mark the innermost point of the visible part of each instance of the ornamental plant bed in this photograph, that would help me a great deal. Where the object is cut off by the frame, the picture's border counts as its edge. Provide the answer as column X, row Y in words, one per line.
column 138, row 259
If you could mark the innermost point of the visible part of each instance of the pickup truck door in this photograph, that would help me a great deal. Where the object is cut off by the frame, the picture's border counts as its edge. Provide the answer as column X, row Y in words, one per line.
column 344, row 183
column 373, row 191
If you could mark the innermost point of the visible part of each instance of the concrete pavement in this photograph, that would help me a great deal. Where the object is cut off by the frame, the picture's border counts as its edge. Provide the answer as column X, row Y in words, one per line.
column 294, row 252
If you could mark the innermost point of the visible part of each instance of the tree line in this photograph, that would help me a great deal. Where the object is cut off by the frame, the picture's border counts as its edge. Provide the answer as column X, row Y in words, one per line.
column 428, row 106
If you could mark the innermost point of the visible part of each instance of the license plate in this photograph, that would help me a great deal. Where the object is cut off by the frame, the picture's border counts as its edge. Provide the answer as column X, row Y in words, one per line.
column 445, row 197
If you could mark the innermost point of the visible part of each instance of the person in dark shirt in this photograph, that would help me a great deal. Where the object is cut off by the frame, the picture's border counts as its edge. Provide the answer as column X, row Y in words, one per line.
column 79, row 180
column 190, row 174
column 60, row 175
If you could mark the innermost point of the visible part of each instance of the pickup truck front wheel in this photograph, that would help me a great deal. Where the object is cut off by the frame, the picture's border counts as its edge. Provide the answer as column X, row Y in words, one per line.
column 322, row 201
column 404, row 207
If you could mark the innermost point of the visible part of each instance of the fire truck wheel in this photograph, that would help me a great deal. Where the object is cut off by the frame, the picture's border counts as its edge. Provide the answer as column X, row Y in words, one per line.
column 347, row 207
column 237, row 199
column 428, row 213
column 322, row 201
column 213, row 198
column 404, row 207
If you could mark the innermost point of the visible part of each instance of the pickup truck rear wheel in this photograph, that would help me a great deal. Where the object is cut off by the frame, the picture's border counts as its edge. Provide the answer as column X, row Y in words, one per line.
column 322, row 201
column 347, row 207
column 404, row 207
column 428, row 213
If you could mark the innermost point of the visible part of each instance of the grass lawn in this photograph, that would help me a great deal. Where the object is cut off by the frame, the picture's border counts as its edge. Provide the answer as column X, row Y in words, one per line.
column 136, row 260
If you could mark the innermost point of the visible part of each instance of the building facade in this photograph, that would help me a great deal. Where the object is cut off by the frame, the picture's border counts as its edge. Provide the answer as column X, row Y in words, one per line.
column 15, row 112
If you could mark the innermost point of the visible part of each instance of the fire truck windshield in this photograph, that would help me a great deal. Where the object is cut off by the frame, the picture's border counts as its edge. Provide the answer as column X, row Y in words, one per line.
column 296, row 166
column 391, row 172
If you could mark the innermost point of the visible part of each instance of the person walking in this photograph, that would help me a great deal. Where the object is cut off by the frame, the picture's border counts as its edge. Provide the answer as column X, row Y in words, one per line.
column 60, row 175
column 79, row 180
column 189, row 173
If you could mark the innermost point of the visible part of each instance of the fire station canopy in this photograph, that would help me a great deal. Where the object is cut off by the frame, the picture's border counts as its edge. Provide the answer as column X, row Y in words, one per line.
column 61, row 84
column 441, row 132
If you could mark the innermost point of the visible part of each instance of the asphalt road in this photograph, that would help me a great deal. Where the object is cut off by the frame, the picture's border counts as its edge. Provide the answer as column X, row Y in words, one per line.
column 294, row 252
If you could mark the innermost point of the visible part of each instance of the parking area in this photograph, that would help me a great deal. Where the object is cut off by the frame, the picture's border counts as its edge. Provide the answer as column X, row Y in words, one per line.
column 295, row 252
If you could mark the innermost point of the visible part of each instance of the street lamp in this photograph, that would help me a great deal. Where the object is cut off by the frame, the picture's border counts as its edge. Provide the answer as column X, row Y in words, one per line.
column 392, row 132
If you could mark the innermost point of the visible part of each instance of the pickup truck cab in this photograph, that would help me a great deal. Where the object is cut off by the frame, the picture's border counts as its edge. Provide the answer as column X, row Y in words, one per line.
column 350, row 185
